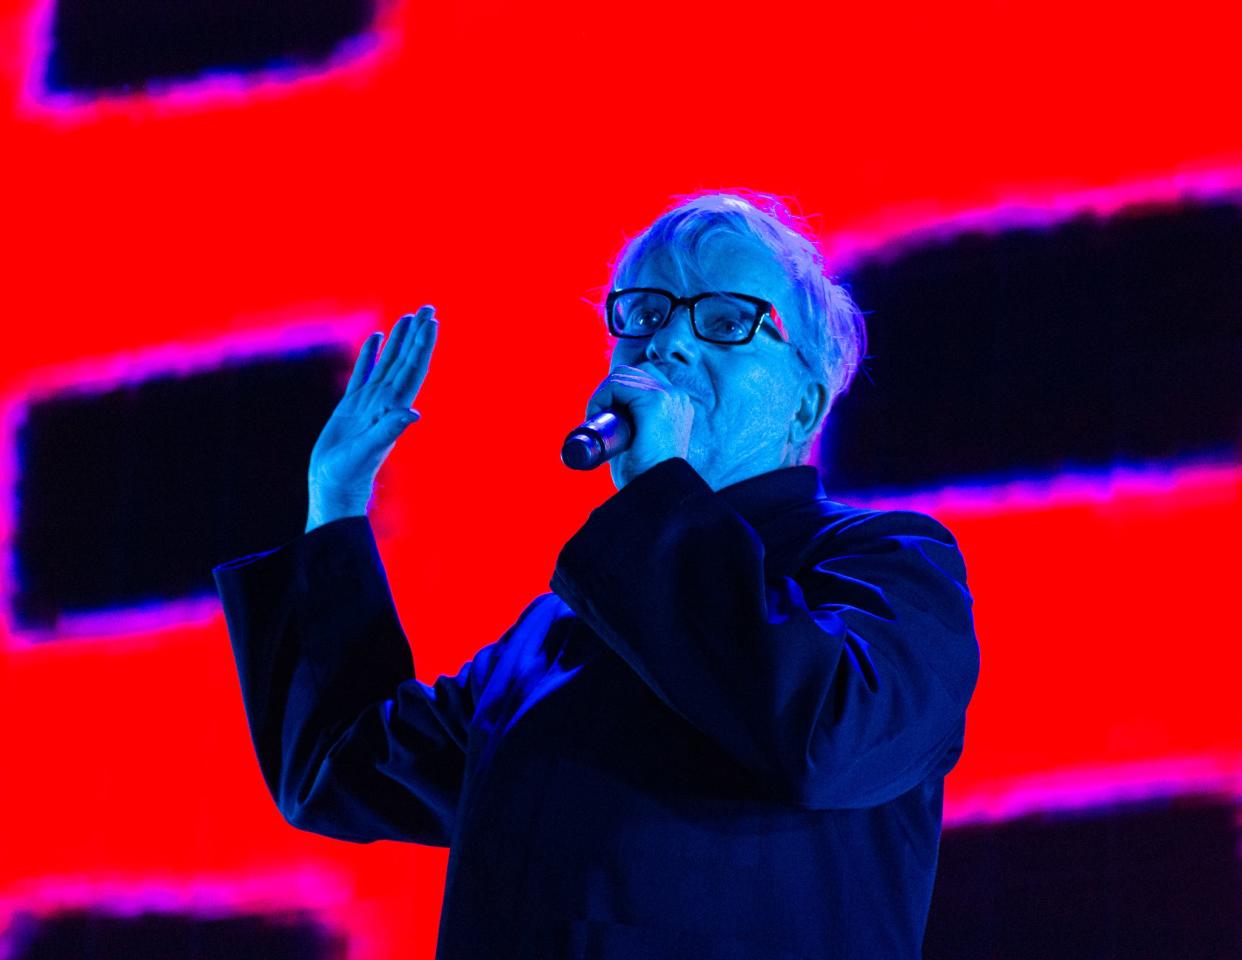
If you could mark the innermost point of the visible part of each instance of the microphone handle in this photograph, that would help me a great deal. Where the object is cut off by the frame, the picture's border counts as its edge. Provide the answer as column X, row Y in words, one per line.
column 597, row 440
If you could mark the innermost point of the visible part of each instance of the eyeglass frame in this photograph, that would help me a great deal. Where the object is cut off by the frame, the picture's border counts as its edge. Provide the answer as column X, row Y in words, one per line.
column 768, row 312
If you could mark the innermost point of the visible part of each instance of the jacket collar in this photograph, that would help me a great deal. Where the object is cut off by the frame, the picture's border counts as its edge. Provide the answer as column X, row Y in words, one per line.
column 765, row 495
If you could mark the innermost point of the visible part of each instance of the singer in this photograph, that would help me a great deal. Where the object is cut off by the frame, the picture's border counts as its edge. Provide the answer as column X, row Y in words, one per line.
column 723, row 732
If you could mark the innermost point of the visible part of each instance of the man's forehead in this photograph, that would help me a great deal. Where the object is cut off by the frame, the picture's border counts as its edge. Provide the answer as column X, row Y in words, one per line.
column 724, row 263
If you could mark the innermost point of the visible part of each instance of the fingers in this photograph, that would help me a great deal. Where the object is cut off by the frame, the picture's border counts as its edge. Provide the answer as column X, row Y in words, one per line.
column 396, row 341
column 409, row 377
column 620, row 386
column 615, row 392
column 651, row 370
column 627, row 374
column 362, row 366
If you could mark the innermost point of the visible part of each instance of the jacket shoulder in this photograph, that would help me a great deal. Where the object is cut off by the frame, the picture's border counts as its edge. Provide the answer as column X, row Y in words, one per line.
column 822, row 521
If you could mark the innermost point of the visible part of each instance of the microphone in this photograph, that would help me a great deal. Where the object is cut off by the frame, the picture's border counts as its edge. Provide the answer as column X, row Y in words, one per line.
column 597, row 440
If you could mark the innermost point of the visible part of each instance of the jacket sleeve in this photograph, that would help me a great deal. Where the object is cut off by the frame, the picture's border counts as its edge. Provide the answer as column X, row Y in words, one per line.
column 845, row 685
column 350, row 744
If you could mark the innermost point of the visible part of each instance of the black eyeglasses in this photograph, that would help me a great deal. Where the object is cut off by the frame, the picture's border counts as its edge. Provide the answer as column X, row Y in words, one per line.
column 718, row 317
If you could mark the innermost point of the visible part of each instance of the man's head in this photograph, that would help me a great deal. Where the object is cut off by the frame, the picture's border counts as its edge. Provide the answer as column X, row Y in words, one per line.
column 758, row 405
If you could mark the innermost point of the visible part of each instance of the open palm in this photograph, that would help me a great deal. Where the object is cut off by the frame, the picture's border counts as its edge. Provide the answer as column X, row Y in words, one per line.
column 375, row 409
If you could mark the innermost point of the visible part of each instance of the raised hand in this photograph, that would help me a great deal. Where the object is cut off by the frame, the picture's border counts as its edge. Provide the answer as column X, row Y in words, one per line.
column 369, row 418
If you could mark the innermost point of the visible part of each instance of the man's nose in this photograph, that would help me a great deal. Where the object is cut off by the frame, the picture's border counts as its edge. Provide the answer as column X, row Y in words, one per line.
column 675, row 339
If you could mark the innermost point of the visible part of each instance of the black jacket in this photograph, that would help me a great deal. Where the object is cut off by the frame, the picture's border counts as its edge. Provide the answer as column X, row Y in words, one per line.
column 722, row 735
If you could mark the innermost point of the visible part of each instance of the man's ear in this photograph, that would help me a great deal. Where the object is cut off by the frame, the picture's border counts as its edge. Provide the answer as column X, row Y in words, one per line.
column 811, row 410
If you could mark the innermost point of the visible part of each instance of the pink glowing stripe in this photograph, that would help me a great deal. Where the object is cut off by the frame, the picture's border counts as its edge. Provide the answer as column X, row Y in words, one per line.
column 352, row 59
column 312, row 888
column 1091, row 788
column 270, row 337
column 1188, row 482
column 897, row 229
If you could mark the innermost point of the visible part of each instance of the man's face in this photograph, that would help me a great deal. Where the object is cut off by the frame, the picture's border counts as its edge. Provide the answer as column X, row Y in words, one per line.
column 745, row 396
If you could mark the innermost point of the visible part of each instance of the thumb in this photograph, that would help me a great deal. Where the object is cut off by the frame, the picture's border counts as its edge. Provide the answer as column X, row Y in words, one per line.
column 390, row 426
column 399, row 418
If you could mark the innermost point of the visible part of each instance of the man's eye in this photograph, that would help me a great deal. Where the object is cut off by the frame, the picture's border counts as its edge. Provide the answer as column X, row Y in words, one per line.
column 724, row 327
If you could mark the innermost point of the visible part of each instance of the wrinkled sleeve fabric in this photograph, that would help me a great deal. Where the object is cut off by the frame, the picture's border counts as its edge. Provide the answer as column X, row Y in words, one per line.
column 845, row 685
column 350, row 744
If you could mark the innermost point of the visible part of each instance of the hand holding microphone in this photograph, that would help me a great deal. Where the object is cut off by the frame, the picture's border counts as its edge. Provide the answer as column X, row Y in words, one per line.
column 636, row 418
column 597, row 439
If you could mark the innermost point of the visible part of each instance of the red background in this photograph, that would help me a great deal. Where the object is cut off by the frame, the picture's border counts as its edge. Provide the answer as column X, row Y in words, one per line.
column 491, row 158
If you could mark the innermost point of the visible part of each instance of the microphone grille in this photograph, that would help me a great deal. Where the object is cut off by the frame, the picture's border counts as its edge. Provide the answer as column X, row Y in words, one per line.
column 581, row 451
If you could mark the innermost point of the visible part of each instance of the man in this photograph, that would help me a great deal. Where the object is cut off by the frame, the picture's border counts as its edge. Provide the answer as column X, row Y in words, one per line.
column 723, row 733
